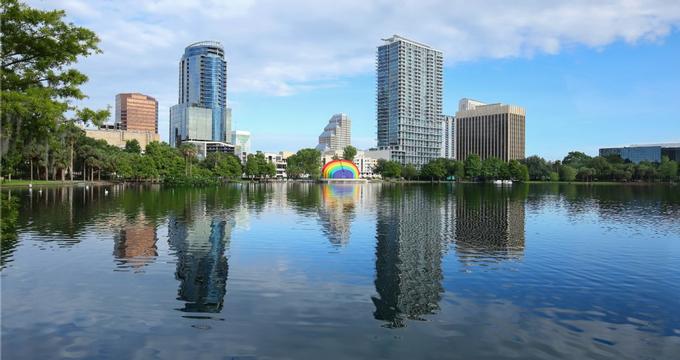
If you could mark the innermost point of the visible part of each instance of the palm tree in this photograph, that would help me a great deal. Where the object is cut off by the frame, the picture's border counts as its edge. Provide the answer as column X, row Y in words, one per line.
column 189, row 151
column 33, row 151
column 70, row 132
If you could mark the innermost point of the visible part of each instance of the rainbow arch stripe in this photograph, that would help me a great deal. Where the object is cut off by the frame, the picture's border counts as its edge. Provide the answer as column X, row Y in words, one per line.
column 340, row 169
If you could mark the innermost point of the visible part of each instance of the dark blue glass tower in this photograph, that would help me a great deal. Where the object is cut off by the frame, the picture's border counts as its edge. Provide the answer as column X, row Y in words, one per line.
column 203, row 83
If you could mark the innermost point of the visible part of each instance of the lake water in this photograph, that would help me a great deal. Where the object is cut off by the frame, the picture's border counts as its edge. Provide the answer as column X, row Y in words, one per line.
column 343, row 271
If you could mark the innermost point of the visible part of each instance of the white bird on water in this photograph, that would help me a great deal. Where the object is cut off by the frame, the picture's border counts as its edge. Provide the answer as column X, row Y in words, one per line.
column 106, row 192
column 87, row 187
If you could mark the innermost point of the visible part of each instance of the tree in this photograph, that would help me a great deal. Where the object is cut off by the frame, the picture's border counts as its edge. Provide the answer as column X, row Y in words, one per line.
column 518, row 171
column 576, row 159
column 434, row 169
column 38, row 83
column 226, row 166
column 668, row 169
column 585, row 174
column 539, row 169
column 602, row 167
column 133, row 147
column 349, row 152
column 567, row 173
column 492, row 168
column 307, row 161
column 409, row 171
column 189, row 152
column 554, row 176
column 388, row 169
column 473, row 166
column 33, row 151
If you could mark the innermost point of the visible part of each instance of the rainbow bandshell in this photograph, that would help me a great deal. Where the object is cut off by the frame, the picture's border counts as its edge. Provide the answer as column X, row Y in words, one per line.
column 340, row 169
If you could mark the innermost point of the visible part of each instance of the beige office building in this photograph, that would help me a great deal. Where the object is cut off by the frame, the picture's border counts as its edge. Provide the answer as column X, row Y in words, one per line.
column 490, row 130
column 136, row 112
column 119, row 138
column 337, row 134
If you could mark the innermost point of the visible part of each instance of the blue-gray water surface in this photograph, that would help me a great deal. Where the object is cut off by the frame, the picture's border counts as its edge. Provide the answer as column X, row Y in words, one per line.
column 308, row 271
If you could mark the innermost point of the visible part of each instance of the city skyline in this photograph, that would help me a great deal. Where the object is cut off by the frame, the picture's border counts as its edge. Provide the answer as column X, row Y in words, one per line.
column 564, row 77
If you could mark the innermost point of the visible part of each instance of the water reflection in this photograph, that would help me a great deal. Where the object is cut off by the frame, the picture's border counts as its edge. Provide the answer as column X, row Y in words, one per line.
column 199, row 236
column 489, row 225
column 134, row 245
column 408, row 255
column 337, row 213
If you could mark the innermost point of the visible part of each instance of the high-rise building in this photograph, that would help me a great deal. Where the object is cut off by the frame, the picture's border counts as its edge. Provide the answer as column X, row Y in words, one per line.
column 202, row 96
column 409, row 100
column 493, row 130
column 449, row 137
column 136, row 112
column 337, row 134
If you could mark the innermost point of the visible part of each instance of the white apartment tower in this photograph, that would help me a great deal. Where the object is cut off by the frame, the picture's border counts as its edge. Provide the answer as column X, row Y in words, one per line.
column 409, row 100
column 448, row 150
column 337, row 134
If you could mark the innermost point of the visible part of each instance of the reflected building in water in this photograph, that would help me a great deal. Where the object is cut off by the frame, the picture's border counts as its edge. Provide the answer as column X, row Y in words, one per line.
column 489, row 225
column 337, row 211
column 199, row 241
column 408, row 255
column 135, row 244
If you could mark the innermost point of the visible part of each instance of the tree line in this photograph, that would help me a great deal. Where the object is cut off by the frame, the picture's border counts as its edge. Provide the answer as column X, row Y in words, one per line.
column 576, row 166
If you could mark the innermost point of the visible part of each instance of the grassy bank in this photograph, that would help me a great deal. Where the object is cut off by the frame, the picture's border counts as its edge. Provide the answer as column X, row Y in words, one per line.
column 25, row 183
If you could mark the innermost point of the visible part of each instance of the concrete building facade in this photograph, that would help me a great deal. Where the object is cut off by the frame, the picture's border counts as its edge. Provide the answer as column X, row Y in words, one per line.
column 337, row 134
column 117, row 137
column 448, row 148
column 409, row 100
column 136, row 112
column 493, row 130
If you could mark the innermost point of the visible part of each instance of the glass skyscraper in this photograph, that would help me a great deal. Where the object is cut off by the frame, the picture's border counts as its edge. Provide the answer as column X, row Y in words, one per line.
column 409, row 100
column 202, row 84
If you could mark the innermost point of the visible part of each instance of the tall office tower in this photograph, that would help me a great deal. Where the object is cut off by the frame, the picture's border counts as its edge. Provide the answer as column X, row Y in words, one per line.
column 202, row 95
column 136, row 112
column 493, row 130
column 337, row 134
column 449, row 137
column 409, row 100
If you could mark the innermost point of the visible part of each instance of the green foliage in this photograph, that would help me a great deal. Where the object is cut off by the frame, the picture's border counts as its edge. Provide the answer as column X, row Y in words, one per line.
column 132, row 146
column 554, row 176
column 388, row 169
column 518, row 171
column 435, row 169
column 494, row 168
column 38, row 82
column 539, row 168
column 226, row 166
column 576, row 159
column 349, row 152
column 567, row 173
column 257, row 166
column 305, row 161
column 473, row 167
column 668, row 170
column 409, row 172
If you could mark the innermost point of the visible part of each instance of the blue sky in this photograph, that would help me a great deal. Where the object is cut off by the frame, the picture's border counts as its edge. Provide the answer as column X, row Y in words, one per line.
column 589, row 74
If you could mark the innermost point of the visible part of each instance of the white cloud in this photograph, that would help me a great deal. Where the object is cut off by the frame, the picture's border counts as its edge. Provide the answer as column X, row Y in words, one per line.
column 284, row 47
